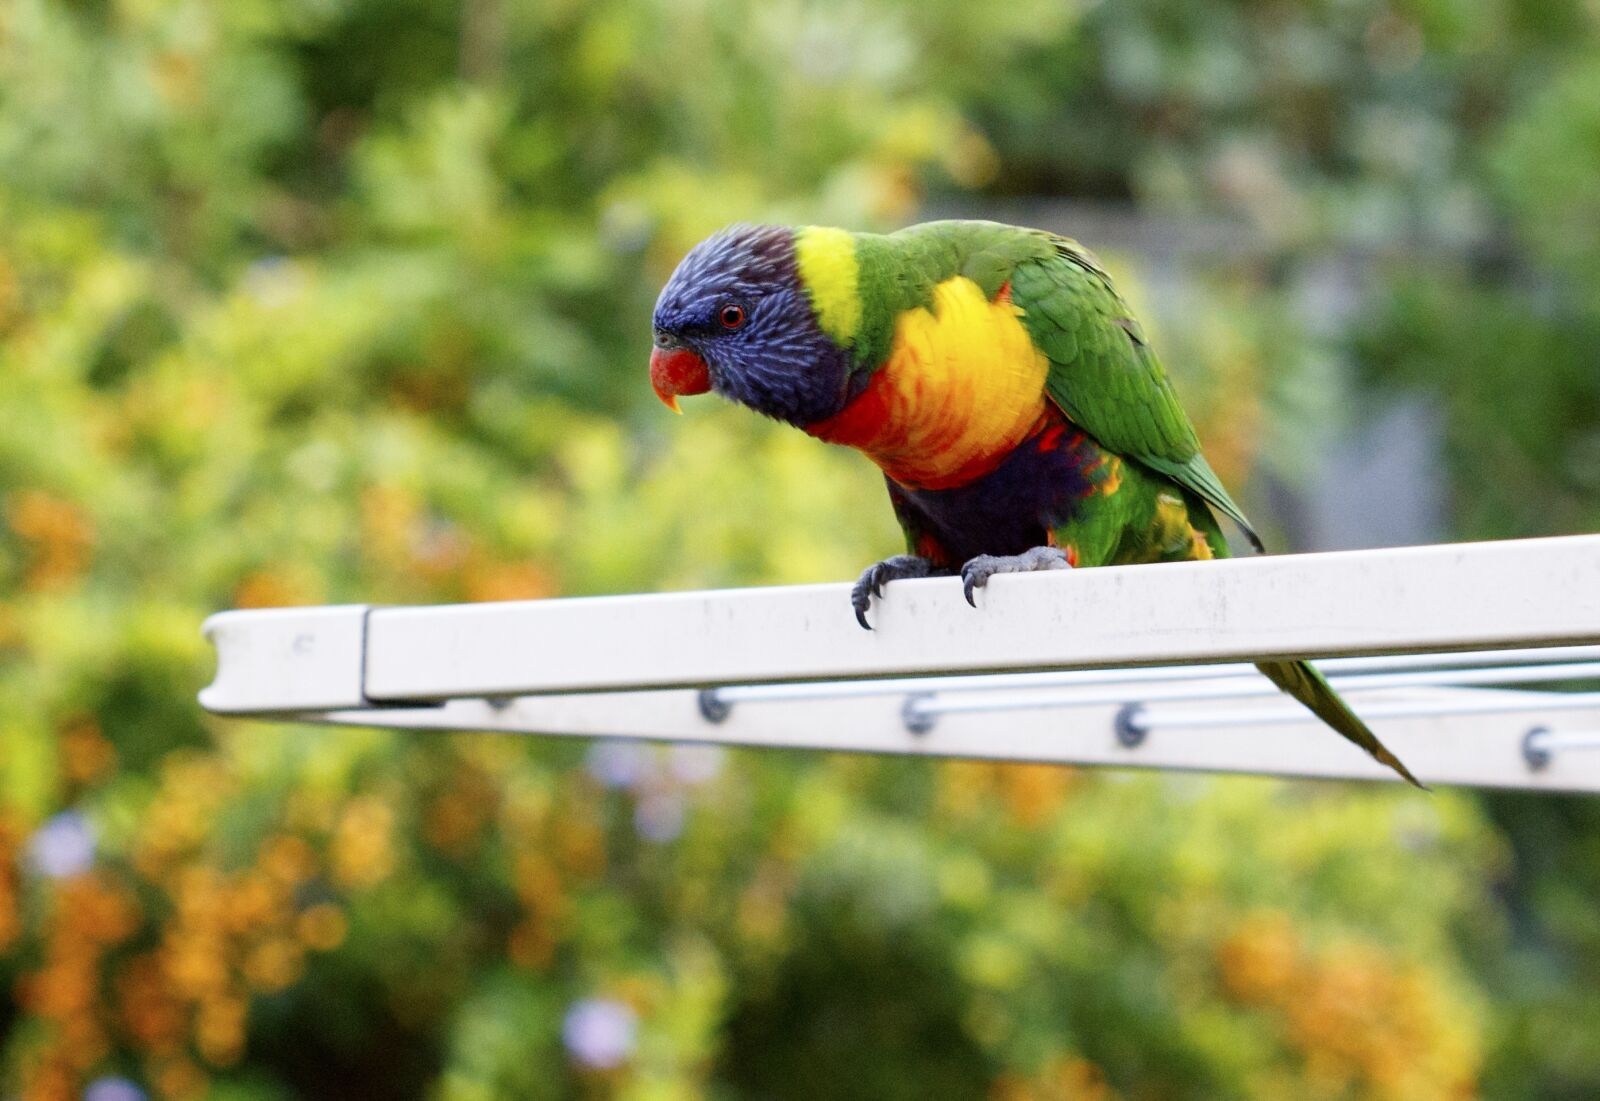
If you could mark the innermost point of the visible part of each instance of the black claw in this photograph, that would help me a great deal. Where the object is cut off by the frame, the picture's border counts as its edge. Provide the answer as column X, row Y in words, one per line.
column 860, row 601
column 973, row 576
column 875, row 577
column 976, row 573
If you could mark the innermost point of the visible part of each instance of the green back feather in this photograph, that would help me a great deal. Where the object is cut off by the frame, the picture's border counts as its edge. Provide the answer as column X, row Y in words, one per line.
column 1105, row 376
column 1102, row 373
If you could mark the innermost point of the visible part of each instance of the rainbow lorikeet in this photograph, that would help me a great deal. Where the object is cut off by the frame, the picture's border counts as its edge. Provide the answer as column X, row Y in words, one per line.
column 1020, row 417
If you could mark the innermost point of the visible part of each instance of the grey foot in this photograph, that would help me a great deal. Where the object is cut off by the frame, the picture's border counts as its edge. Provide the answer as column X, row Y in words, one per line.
column 976, row 573
column 879, row 574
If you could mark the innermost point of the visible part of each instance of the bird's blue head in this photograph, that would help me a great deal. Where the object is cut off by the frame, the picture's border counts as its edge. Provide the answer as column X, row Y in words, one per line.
column 737, row 318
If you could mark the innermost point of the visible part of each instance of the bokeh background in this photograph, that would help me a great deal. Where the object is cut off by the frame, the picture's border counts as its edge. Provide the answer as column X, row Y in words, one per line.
column 311, row 301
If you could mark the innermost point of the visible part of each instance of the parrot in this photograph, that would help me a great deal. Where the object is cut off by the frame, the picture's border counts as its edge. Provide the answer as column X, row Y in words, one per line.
column 1019, row 415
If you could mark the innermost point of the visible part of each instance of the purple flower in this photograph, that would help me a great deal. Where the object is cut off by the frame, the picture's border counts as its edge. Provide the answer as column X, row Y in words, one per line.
column 695, row 762
column 113, row 1089
column 63, row 846
column 659, row 816
column 274, row 281
column 619, row 763
column 600, row 1032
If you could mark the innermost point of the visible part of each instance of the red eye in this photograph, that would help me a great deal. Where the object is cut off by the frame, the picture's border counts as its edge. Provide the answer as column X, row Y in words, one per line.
column 732, row 316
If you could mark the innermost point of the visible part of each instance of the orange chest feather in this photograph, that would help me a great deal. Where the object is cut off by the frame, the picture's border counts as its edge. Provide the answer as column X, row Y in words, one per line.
column 963, row 385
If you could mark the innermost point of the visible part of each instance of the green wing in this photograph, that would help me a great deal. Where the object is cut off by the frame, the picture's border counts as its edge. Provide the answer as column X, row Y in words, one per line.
column 1105, row 377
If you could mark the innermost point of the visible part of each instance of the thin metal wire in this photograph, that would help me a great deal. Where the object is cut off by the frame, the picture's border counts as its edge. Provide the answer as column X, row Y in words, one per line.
column 1257, row 685
column 1549, row 741
column 1462, row 659
column 1490, row 704
column 762, row 693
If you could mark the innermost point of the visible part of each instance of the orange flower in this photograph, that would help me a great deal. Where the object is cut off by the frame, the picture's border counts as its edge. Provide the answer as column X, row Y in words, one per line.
column 1075, row 1077
column 11, row 840
column 100, row 909
column 281, row 586
column 49, row 1080
column 1010, row 1087
column 1360, row 1023
column 86, row 753
column 1034, row 792
column 486, row 580
column 195, row 963
column 455, row 820
column 321, row 927
column 1258, row 962
column 363, row 850
column 60, row 536
column 964, row 785
column 148, row 1013
column 388, row 519
column 532, row 946
column 538, row 884
column 274, row 965
column 288, row 859
column 178, row 1079
column 219, row 1030
column 580, row 846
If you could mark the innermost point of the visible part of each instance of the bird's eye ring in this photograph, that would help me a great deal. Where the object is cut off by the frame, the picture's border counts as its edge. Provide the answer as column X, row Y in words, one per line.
column 731, row 316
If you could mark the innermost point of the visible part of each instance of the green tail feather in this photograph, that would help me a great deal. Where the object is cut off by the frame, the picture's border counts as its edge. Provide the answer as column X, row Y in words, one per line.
column 1311, row 688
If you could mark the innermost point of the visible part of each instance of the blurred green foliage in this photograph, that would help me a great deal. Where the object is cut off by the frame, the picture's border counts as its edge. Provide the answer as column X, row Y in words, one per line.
column 312, row 301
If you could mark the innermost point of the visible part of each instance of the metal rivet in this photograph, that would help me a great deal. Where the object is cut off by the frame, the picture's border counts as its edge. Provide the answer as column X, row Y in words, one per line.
column 1533, row 752
column 713, row 708
column 917, row 720
column 1131, row 733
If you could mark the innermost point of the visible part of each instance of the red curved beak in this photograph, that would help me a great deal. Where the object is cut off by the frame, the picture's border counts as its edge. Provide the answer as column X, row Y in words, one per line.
column 675, row 371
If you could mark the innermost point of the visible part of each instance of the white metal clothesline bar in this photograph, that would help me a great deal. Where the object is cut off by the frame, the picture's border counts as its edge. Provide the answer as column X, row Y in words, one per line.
column 1144, row 665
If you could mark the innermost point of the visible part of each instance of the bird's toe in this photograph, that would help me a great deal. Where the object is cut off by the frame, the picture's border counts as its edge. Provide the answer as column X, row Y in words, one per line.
column 861, row 599
column 977, row 571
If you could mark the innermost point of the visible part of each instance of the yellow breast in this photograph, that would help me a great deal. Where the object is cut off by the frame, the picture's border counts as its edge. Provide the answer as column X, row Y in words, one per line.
column 962, row 387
